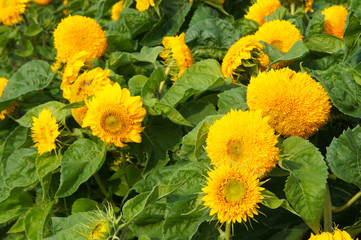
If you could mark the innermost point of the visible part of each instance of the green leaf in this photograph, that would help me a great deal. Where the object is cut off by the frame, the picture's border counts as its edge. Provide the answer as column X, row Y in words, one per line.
column 272, row 201
column 235, row 99
column 315, row 25
column 280, row 14
column 33, row 30
column 294, row 233
column 35, row 220
column 83, row 205
column 46, row 163
column 19, row 226
column 32, row 76
column 195, row 112
column 148, row 54
column 55, row 107
column 132, row 22
column 306, row 186
column 172, row 114
column 352, row 30
column 136, row 84
column 25, row 49
column 196, row 79
column 343, row 156
column 82, row 159
column 324, row 43
column 151, row 86
column 246, row 26
column 17, row 139
column 15, row 206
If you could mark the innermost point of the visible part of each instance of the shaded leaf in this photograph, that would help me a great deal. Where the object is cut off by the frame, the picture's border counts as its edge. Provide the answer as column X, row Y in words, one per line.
column 235, row 98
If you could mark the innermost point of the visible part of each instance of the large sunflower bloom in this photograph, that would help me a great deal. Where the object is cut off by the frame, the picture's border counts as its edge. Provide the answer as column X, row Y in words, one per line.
column 232, row 193
column 84, row 86
column 3, row 82
column 337, row 235
column 143, row 5
column 244, row 49
column 10, row 11
column 77, row 33
column 244, row 138
column 296, row 104
column 115, row 116
column 44, row 131
column 335, row 17
column 116, row 9
column 176, row 49
column 281, row 34
column 42, row 2
column 261, row 9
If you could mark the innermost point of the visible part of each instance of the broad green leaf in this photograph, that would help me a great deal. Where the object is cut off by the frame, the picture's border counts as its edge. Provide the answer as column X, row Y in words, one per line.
column 25, row 48
column 235, row 99
column 203, row 12
column 196, row 111
column 15, row 206
column 324, row 43
column 272, row 201
column 352, row 30
column 171, row 113
column 19, row 226
column 82, row 159
column 294, row 233
column 280, row 14
column 315, row 25
column 151, row 86
column 195, row 80
column 17, row 139
column 148, row 54
column 246, row 26
column 46, row 163
column 55, row 107
column 136, row 84
column 35, row 220
column 33, row 30
column 32, row 76
column 18, row 170
column 343, row 156
column 132, row 22
column 305, row 188
column 83, row 205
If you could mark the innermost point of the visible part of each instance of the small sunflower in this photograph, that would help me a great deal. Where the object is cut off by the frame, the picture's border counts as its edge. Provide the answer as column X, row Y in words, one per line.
column 99, row 231
column 335, row 17
column 261, row 9
column 115, row 116
column 42, row 2
column 78, row 33
column 143, row 5
column 116, row 9
column 44, row 131
column 296, row 104
column 232, row 193
column 308, row 6
column 176, row 50
column 10, row 11
column 84, row 86
column 244, row 138
column 3, row 82
column 337, row 235
column 246, row 49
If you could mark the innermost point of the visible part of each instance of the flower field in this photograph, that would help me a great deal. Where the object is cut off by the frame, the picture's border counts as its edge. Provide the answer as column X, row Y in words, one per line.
column 180, row 119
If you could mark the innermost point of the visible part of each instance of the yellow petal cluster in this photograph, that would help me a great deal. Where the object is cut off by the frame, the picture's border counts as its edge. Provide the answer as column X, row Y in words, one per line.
column 143, row 5
column 116, row 9
column 337, row 235
column 75, row 34
column 99, row 231
column 244, row 138
column 10, row 11
column 237, row 53
column 296, row 104
column 3, row 82
column 261, row 9
column 232, row 193
column 176, row 49
column 44, row 131
column 335, row 17
column 42, row 2
column 308, row 6
column 115, row 116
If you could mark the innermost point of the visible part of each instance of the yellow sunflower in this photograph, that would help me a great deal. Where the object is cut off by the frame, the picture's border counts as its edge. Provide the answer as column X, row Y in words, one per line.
column 42, row 2
column 335, row 17
column 100, row 230
column 84, row 86
column 143, row 5
column 261, row 9
column 308, row 6
column 245, row 138
column 281, row 34
column 78, row 33
column 176, row 50
column 44, row 131
column 10, row 11
column 3, row 82
column 296, row 104
column 116, row 9
column 244, row 49
column 233, row 193
column 337, row 235
column 115, row 116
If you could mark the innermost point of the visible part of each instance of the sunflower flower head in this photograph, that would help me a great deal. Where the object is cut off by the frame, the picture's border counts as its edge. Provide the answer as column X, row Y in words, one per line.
column 75, row 34
column 143, row 5
column 296, row 104
column 10, row 11
column 244, row 138
column 45, row 130
column 240, row 56
column 3, row 82
column 308, row 6
column 84, row 86
column 261, row 9
column 115, row 116
column 232, row 193
column 42, row 2
column 116, row 9
column 337, row 235
column 335, row 17
column 176, row 55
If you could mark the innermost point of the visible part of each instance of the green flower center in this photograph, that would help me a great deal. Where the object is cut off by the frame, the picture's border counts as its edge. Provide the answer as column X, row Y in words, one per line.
column 235, row 149
column 234, row 191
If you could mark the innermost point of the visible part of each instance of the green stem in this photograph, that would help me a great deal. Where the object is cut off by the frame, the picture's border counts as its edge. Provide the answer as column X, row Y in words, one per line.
column 101, row 185
column 346, row 205
column 293, row 6
column 32, row 40
column 327, row 211
column 124, row 165
column 228, row 231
